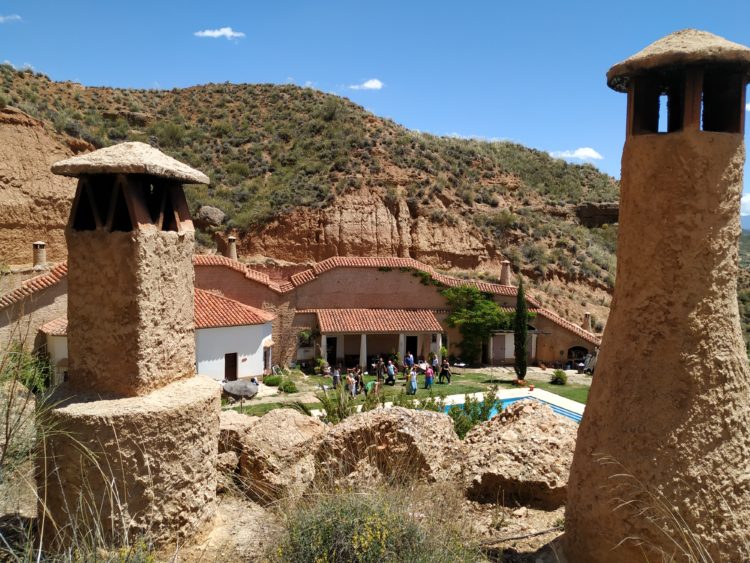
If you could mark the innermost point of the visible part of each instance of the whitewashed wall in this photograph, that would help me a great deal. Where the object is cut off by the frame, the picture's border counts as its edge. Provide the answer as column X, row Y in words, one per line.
column 57, row 348
column 247, row 341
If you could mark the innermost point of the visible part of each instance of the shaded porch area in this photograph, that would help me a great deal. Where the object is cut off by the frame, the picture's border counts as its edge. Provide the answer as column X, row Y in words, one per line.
column 358, row 337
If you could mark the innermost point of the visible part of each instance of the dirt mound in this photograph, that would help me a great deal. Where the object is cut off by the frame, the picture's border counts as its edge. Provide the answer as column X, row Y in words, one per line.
column 34, row 203
column 522, row 455
column 276, row 460
column 391, row 445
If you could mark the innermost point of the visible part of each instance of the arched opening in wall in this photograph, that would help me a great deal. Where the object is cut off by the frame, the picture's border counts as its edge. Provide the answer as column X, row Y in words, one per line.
column 577, row 354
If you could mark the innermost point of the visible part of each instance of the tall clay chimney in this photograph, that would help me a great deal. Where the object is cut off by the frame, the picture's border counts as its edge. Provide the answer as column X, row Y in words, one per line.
column 660, row 470
column 40, row 254
column 131, row 342
column 505, row 273
column 586, row 325
column 231, row 251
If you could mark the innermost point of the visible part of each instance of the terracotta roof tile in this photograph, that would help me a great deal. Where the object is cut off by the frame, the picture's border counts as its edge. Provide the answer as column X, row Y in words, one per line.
column 30, row 286
column 574, row 328
column 377, row 320
column 212, row 311
column 303, row 277
column 56, row 327
column 237, row 266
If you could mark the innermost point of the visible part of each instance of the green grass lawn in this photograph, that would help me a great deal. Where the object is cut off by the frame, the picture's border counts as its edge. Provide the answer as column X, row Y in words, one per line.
column 262, row 408
column 461, row 384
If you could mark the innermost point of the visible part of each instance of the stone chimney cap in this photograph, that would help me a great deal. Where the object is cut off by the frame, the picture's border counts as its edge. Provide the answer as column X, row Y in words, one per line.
column 679, row 49
column 37, row 242
column 130, row 158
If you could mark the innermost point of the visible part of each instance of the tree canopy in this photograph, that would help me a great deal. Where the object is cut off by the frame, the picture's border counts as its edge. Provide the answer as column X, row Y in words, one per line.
column 476, row 315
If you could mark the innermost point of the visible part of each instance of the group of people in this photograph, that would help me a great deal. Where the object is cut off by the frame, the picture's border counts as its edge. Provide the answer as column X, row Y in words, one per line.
column 386, row 373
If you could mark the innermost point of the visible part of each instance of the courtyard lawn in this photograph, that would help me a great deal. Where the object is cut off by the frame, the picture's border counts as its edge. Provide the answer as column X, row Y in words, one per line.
column 461, row 384
column 260, row 409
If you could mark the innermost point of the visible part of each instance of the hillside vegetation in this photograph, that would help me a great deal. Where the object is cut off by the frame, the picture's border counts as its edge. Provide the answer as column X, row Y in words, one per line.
column 273, row 150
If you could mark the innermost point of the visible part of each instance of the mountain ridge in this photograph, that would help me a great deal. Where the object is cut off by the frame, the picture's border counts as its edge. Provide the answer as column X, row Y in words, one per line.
column 301, row 175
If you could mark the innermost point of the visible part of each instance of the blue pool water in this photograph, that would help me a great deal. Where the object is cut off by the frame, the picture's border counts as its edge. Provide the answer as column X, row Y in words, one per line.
column 505, row 402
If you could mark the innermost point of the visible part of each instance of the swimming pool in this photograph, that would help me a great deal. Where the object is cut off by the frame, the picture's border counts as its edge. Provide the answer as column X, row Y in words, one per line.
column 576, row 417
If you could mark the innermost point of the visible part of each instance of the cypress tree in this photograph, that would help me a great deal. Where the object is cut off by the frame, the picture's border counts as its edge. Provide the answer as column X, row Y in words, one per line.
column 520, row 332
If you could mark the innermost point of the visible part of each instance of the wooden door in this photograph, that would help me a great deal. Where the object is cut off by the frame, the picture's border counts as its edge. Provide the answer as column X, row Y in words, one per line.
column 230, row 366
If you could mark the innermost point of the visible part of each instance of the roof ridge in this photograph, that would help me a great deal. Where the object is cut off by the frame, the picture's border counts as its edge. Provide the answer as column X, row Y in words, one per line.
column 32, row 285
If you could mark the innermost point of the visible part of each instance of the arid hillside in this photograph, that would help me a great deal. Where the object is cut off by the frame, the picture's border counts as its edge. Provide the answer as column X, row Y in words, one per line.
column 301, row 175
column 34, row 203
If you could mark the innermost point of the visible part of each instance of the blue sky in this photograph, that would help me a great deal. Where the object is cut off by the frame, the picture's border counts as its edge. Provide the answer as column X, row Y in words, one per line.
column 531, row 72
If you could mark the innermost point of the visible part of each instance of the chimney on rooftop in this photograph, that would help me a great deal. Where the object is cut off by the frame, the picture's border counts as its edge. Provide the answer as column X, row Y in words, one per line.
column 586, row 325
column 505, row 273
column 231, row 251
column 40, row 254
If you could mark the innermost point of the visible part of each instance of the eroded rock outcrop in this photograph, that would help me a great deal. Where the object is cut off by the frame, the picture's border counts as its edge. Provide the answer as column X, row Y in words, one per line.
column 233, row 427
column 522, row 455
column 277, row 456
column 34, row 203
column 363, row 224
column 391, row 445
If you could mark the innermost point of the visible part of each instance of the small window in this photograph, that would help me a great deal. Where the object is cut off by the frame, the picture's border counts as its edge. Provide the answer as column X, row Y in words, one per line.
column 658, row 103
column 722, row 101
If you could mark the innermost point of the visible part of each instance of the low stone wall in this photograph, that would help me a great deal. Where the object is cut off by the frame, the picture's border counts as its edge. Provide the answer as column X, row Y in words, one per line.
column 136, row 466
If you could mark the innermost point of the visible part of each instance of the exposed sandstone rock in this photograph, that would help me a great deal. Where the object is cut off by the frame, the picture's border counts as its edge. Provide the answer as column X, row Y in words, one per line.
column 362, row 224
column 597, row 214
column 392, row 445
column 233, row 426
column 523, row 455
column 277, row 456
column 34, row 203
column 136, row 118
column 227, row 464
column 208, row 216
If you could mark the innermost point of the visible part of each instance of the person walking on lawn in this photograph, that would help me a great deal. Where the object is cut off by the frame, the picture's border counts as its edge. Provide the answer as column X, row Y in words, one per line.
column 445, row 371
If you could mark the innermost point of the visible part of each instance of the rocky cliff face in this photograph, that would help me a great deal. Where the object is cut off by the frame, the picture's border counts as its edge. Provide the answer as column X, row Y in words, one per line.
column 34, row 203
column 363, row 224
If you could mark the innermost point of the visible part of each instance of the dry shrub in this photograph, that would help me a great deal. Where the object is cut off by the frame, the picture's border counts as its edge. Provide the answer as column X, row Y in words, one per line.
column 388, row 523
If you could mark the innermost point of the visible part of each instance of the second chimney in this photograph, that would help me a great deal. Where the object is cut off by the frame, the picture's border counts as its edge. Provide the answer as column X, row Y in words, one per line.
column 231, row 247
column 505, row 273
column 40, row 254
column 586, row 325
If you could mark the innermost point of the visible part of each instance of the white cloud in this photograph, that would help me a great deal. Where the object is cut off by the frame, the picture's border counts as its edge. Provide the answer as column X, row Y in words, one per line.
column 10, row 18
column 745, row 205
column 372, row 84
column 582, row 153
column 747, row 107
column 227, row 32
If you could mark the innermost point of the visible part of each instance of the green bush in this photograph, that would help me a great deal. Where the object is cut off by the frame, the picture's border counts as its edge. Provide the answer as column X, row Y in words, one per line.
column 272, row 380
column 364, row 527
column 472, row 412
column 337, row 405
column 559, row 377
column 288, row 386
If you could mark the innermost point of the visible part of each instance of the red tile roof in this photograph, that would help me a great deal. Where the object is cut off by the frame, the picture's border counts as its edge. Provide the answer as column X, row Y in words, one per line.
column 213, row 310
column 244, row 269
column 546, row 313
column 56, row 327
column 377, row 320
column 32, row 285
column 574, row 328
column 59, row 272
